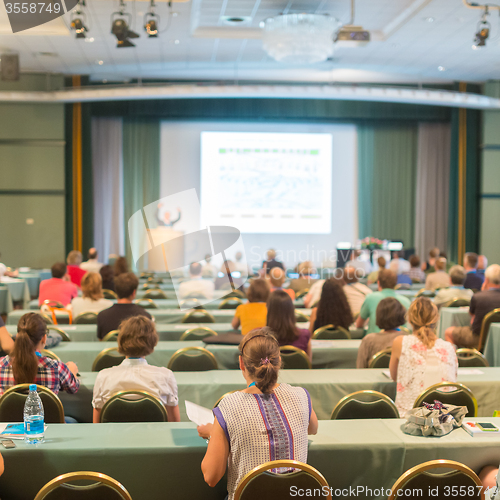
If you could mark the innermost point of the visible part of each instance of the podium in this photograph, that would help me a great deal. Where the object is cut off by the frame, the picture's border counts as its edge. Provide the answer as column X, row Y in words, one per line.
column 155, row 258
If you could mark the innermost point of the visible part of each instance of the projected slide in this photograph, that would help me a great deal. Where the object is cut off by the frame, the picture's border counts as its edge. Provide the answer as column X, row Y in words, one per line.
column 267, row 182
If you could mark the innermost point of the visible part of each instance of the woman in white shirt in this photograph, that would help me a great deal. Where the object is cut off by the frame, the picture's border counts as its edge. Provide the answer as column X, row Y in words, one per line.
column 92, row 299
column 136, row 340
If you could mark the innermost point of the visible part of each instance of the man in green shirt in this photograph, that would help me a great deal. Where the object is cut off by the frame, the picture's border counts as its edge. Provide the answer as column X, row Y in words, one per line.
column 387, row 280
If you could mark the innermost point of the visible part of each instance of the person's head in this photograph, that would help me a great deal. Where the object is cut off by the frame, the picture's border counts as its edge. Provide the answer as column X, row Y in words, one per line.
column 107, row 273
column 440, row 264
column 58, row 270
column 434, row 253
column 492, row 276
column 387, row 279
column 74, row 258
column 470, row 260
column 277, row 277
column 271, row 254
column 381, row 262
column 390, row 314
column 414, row 261
column 423, row 316
column 350, row 275
column 125, row 285
column 306, row 268
column 120, row 266
column 92, row 286
column 482, row 262
column 238, row 256
column 356, row 254
column 31, row 335
column 137, row 337
column 258, row 291
column 208, row 258
column 281, row 317
column 457, row 275
column 228, row 264
column 260, row 358
column 333, row 308
column 92, row 253
column 195, row 269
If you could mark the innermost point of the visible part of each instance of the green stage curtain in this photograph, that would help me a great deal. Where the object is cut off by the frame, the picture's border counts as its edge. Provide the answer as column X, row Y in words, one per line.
column 387, row 167
column 141, row 170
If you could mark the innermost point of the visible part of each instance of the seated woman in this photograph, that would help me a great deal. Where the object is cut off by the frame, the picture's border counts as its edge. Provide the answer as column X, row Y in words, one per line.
column 136, row 340
column 390, row 316
column 421, row 359
column 281, row 320
column 252, row 314
column 333, row 308
column 26, row 365
column 108, row 278
column 93, row 299
column 240, row 426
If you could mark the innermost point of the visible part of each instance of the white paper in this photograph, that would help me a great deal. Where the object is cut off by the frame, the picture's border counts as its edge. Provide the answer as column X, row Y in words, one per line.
column 470, row 371
column 387, row 373
column 68, row 327
column 198, row 414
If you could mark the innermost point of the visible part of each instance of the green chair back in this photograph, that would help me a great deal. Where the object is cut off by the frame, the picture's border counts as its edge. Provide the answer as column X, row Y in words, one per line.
column 198, row 316
column 155, row 293
column 381, row 359
column 107, row 358
column 230, row 303
column 363, row 405
column 199, row 333
column 471, row 358
column 86, row 318
column 462, row 396
column 109, row 294
column 133, row 406
column 192, row 359
column 146, row 303
column 331, row 332
column 491, row 317
column 294, row 358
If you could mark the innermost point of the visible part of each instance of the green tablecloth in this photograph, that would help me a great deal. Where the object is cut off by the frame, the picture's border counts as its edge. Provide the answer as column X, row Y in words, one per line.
column 162, row 460
column 6, row 305
column 326, row 387
column 492, row 347
column 19, row 291
column 33, row 280
column 452, row 316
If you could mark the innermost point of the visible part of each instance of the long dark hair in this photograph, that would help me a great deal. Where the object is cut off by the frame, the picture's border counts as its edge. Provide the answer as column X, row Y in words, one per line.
column 281, row 317
column 30, row 331
column 333, row 308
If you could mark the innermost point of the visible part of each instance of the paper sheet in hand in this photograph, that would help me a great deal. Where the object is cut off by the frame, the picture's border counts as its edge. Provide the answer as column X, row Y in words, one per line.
column 198, row 414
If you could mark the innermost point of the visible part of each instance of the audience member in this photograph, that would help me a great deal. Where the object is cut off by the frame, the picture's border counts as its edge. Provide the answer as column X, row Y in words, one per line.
column 253, row 314
column 93, row 299
column 391, row 315
column 473, row 280
column 373, row 276
column 421, row 359
column 271, row 262
column 26, row 365
column 196, row 286
column 481, row 303
column 399, row 264
column 276, row 278
column 108, row 277
column 75, row 272
column 281, row 320
column 239, row 437
column 360, row 263
column 240, row 265
column 4, row 270
column 136, row 340
column 355, row 292
column 386, row 282
column 428, row 267
column 305, row 270
column 223, row 281
column 120, row 266
column 109, row 319
column 439, row 278
column 6, row 341
column 208, row 270
column 416, row 274
column 482, row 264
column 92, row 264
column 456, row 290
column 312, row 297
column 58, row 288
column 333, row 308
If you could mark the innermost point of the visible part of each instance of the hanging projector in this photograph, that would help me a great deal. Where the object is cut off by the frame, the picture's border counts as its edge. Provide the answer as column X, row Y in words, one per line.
column 352, row 36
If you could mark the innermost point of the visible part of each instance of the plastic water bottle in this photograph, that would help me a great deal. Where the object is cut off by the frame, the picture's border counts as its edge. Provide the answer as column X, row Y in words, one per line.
column 34, row 427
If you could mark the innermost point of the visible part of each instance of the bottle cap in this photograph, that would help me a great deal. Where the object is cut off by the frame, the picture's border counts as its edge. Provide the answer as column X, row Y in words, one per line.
column 32, row 387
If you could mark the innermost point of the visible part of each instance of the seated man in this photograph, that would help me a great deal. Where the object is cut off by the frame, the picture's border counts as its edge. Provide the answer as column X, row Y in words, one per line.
column 271, row 261
column 126, row 288
column 386, row 282
column 196, row 286
column 440, row 278
column 276, row 278
column 481, row 304
column 473, row 278
column 359, row 263
column 416, row 274
column 92, row 265
column 136, row 340
column 75, row 272
column 482, row 264
column 399, row 264
column 456, row 290
column 58, row 288
column 354, row 291
column 305, row 270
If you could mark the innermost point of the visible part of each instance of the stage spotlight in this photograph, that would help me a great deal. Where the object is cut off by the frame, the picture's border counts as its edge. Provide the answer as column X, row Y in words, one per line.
column 483, row 31
column 78, row 20
column 120, row 27
column 151, row 21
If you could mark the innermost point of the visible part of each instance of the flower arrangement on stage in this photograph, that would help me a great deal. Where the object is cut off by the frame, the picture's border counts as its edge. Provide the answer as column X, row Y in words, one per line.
column 371, row 243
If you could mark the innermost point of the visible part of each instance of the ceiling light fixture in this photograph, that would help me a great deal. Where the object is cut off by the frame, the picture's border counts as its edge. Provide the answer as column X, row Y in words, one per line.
column 79, row 20
column 151, row 21
column 441, row 68
column 120, row 22
column 483, row 30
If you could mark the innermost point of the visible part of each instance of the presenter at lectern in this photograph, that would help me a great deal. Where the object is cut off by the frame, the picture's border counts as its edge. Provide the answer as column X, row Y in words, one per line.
column 164, row 219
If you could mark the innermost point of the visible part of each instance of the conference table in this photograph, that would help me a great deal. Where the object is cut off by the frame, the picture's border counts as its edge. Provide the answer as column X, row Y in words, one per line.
column 326, row 387
column 18, row 289
column 6, row 305
column 155, row 461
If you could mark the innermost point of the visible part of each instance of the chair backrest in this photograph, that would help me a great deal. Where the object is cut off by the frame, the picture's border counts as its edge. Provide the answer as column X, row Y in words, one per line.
column 491, row 317
column 155, row 293
column 192, row 359
column 198, row 333
column 146, row 303
column 50, row 354
column 300, row 317
column 13, row 399
column 365, row 404
column 146, row 275
column 462, row 396
column 195, row 295
column 301, row 293
column 103, row 487
column 107, row 358
column 426, row 293
column 133, row 406
column 456, row 302
column 86, row 318
column 53, row 303
column 109, row 294
column 111, row 336
column 222, row 397
column 460, row 478
column 230, row 303
column 471, row 357
column 294, row 358
column 274, row 480
column 46, row 318
column 62, row 333
column 402, row 286
column 236, row 293
column 198, row 316
column 381, row 359
column 191, row 304
column 331, row 332
column 156, row 281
